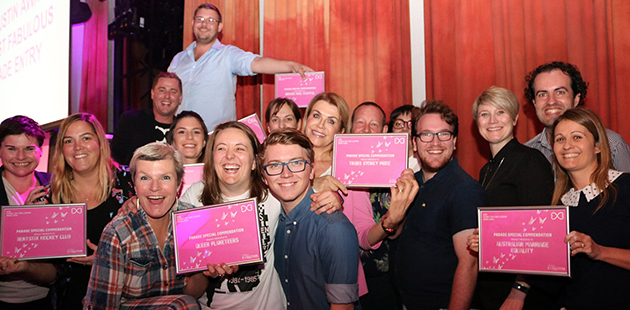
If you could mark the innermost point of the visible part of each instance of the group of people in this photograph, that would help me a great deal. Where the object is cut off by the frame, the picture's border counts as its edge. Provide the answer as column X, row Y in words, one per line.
column 411, row 246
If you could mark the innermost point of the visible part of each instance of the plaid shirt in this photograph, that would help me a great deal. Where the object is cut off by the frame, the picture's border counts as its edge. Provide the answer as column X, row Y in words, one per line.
column 130, row 265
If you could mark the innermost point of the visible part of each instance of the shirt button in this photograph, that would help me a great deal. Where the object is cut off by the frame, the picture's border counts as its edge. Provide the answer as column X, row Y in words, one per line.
column 165, row 283
column 164, row 267
column 294, row 222
column 286, row 280
column 288, row 303
column 286, row 256
column 288, row 231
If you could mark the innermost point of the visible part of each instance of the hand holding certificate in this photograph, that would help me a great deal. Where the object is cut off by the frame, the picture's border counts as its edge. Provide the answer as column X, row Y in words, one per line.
column 227, row 233
column 369, row 160
column 292, row 86
column 525, row 240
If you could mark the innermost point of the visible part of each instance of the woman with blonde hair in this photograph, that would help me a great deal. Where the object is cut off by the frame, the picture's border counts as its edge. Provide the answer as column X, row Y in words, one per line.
column 84, row 172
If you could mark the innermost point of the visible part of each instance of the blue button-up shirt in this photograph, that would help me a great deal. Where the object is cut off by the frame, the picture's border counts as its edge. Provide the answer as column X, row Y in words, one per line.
column 209, row 83
column 317, row 257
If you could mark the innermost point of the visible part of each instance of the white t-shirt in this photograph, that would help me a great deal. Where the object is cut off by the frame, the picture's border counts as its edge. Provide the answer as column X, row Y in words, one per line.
column 261, row 290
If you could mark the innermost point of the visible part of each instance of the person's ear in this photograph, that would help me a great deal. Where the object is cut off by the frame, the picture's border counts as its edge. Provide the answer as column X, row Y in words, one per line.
column 299, row 125
column 576, row 100
column 515, row 120
column 220, row 28
column 598, row 150
column 384, row 129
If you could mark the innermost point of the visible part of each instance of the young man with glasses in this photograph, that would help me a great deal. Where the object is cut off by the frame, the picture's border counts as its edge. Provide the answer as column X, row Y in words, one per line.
column 316, row 255
column 208, row 68
column 432, row 266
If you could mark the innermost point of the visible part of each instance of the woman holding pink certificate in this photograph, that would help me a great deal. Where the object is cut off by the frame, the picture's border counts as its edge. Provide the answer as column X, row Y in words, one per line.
column 134, row 265
column 231, row 173
column 599, row 197
column 83, row 172
column 23, row 284
column 326, row 115
column 515, row 175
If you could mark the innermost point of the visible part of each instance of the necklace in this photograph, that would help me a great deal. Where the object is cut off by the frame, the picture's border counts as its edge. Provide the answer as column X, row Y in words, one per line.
column 483, row 182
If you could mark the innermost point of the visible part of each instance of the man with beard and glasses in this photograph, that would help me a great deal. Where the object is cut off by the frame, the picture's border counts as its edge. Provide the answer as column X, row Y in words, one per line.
column 208, row 68
column 432, row 266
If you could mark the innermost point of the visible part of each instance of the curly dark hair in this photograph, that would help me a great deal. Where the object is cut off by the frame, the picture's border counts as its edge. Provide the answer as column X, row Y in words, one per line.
column 577, row 83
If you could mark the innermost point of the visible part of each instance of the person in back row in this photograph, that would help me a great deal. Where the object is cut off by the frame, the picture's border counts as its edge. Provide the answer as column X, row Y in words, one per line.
column 137, row 128
column 554, row 88
column 282, row 113
column 208, row 68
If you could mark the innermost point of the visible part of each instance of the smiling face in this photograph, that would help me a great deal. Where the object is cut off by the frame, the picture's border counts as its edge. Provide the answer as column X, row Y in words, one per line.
column 288, row 187
column 189, row 139
column 495, row 124
column 553, row 95
column 575, row 148
column 436, row 154
column 368, row 119
column 206, row 32
column 20, row 155
column 81, row 148
column 156, row 187
column 322, row 124
column 233, row 159
column 284, row 118
column 166, row 97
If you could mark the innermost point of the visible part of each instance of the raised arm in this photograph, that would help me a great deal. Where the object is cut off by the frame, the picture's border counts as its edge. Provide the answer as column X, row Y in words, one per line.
column 268, row 65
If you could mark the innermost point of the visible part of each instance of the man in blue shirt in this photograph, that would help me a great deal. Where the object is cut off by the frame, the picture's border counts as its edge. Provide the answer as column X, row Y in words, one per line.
column 208, row 69
column 316, row 255
column 431, row 263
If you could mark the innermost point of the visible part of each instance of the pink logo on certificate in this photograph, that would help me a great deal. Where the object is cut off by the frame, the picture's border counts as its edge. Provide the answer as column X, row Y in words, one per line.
column 253, row 122
column 524, row 240
column 374, row 160
column 292, row 86
column 192, row 174
column 46, row 231
column 228, row 233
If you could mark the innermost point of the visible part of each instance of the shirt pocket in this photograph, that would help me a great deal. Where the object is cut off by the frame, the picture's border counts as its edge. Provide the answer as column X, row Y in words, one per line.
column 142, row 269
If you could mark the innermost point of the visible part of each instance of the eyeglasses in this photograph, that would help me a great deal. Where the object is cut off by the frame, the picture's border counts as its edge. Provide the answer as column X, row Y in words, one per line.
column 429, row 136
column 210, row 20
column 400, row 124
column 294, row 166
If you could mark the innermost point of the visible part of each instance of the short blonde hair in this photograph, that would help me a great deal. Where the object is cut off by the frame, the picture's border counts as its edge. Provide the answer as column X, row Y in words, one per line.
column 157, row 151
column 499, row 98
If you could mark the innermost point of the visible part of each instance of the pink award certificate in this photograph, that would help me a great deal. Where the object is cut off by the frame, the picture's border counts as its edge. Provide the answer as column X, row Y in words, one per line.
column 226, row 233
column 369, row 160
column 292, row 86
column 253, row 122
column 524, row 240
column 43, row 231
column 192, row 174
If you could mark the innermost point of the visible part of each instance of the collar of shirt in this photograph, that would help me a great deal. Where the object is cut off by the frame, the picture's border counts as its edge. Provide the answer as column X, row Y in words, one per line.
column 300, row 211
column 190, row 50
column 506, row 150
column 443, row 174
column 572, row 197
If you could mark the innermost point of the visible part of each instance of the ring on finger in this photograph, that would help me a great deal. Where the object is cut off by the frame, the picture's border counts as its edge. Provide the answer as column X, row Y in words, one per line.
column 583, row 245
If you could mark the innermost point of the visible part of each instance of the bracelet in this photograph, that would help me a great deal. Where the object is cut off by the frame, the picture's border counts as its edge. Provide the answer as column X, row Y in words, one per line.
column 520, row 287
column 388, row 231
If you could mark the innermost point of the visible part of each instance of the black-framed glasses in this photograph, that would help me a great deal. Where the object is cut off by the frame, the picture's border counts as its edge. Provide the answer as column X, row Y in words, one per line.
column 400, row 124
column 210, row 20
column 429, row 136
column 294, row 166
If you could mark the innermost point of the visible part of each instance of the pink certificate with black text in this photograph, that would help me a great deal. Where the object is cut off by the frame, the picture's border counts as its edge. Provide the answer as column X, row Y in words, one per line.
column 226, row 233
column 369, row 160
column 292, row 86
column 254, row 123
column 524, row 240
column 43, row 231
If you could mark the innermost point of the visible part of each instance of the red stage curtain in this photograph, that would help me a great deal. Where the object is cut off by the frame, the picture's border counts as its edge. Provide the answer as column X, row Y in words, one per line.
column 363, row 46
column 240, row 28
column 472, row 45
column 94, row 72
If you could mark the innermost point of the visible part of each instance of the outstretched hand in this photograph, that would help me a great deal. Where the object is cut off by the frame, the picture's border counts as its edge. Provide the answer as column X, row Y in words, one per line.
column 87, row 260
